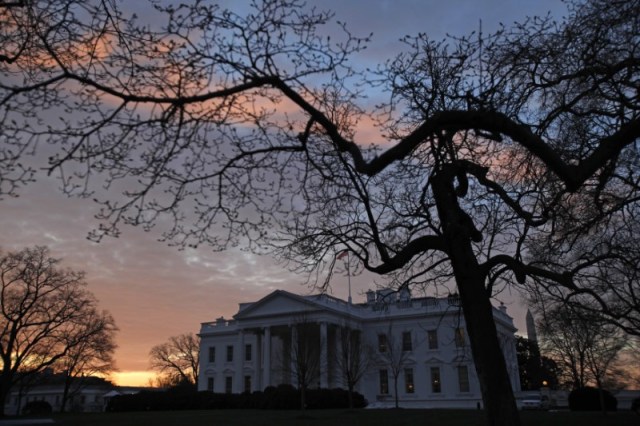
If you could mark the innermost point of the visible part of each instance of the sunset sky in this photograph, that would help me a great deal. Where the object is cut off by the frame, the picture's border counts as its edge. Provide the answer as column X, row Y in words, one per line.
column 155, row 291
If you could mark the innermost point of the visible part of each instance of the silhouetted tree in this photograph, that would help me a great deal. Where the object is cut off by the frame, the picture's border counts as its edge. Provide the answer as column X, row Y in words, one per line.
column 92, row 357
column 352, row 358
column 584, row 347
column 306, row 344
column 535, row 369
column 178, row 359
column 500, row 150
column 392, row 355
column 47, row 317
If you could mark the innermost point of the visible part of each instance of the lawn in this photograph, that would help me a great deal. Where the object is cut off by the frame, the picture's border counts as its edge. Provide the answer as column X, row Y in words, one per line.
column 338, row 418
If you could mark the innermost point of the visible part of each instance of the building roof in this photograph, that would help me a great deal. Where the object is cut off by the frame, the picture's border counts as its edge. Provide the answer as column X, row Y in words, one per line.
column 383, row 303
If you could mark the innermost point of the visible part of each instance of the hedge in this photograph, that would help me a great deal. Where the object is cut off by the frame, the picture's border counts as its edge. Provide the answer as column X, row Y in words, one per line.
column 282, row 397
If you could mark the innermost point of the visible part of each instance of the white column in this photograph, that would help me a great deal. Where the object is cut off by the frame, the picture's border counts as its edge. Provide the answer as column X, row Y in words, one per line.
column 257, row 362
column 238, row 384
column 334, row 373
column 292, row 351
column 324, row 360
column 266, row 372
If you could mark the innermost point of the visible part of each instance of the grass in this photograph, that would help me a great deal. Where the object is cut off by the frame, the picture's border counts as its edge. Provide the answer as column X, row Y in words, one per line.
column 339, row 418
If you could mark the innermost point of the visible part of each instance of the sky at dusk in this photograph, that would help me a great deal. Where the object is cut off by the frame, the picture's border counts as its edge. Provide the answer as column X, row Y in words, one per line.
column 155, row 291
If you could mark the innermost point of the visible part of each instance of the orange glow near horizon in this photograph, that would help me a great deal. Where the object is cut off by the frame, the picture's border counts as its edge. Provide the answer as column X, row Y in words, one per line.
column 133, row 378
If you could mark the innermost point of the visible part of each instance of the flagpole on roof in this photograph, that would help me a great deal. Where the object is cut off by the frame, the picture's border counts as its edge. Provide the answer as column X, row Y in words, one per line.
column 349, row 276
column 339, row 256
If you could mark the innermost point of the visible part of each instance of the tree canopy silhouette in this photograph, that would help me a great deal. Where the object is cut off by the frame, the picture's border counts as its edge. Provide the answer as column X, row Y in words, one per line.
column 48, row 319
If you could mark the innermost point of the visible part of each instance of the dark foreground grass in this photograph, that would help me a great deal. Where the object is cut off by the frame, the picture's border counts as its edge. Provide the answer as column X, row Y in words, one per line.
column 390, row 417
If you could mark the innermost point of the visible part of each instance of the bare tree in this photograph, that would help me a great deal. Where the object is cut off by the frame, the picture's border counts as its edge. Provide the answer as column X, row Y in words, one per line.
column 584, row 347
column 306, row 344
column 353, row 358
column 44, row 316
column 178, row 358
column 92, row 357
column 243, row 129
column 392, row 355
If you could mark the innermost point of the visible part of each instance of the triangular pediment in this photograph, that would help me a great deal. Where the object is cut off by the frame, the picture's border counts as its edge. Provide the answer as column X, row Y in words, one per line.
column 434, row 360
column 461, row 359
column 279, row 302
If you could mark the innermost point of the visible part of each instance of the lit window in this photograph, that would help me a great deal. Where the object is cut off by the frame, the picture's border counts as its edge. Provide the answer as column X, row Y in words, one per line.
column 384, row 382
column 436, row 385
column 407, row 345
column 408, row 380
column 382, row 343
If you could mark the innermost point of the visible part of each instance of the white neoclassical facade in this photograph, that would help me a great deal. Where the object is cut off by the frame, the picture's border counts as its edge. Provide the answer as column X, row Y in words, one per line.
column 435, row 367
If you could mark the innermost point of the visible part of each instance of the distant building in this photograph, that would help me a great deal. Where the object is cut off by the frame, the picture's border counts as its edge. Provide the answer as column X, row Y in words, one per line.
column 87, row 395
column 254, row 349
column 88, row 399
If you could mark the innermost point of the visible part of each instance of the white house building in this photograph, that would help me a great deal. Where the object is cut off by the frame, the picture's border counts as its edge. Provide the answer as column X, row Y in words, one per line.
column 435, row 368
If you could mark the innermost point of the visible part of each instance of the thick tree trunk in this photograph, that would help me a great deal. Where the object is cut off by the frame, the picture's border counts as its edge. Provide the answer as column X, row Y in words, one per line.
column 458, row 230
column 395, row 391
column 303, row 397
column 3, row 399
column 65, row 394
column 5, row 388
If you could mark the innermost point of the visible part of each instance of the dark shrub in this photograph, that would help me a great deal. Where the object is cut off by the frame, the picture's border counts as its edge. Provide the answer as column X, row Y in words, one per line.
column 635, row 405
column 282, row 397
column 333, row 398
column 37, row 407
column 588, row 399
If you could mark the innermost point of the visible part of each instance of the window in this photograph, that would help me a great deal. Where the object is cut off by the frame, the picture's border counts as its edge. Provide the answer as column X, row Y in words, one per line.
column 247, row 352
column 436, row 385
column 212, row 354
column 210, row 384
column 407, row 345
column 432, row 335
column 384, row 382
column 463, row 378
column 228, row 384
column 247, row 383
column 382, row 343
column 408, row 380
column 459, row 337
column 229, row 353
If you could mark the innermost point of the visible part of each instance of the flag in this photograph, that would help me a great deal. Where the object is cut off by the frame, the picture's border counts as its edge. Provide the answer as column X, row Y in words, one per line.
column 342, row 254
